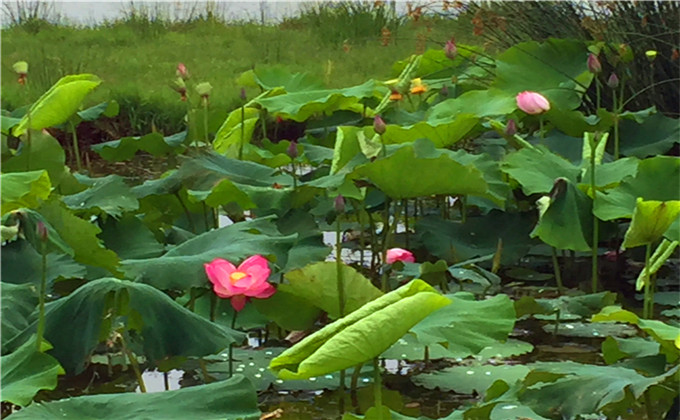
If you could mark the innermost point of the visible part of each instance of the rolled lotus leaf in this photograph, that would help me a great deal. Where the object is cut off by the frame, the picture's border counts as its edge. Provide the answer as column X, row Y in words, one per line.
column 360, row 336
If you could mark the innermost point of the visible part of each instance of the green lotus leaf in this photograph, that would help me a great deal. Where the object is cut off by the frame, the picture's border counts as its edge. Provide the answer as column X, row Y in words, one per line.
column 394, row 175
column 126, row 147
column 109, row 194
column 655, row 136
column 536, row 169
column 651, row 219
column 464, row 328
column 556, row 68
column 58, row 104
column 165, row 327
column 27, row 371
column 233, row 399
column 317, row 284
column 657, row 178
column 18, row 302
column 471, row 379
column 566, row 220
column 45, row 153
column 301, row 105
column 228, row 136
column 361, row 335
column 107, row 109
column 24, row 189
column 573, row 389
column 479, row 103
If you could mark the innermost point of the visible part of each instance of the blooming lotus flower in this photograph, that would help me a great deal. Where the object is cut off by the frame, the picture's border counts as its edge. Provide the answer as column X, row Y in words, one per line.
column 399, row 254
column 532, row 103
column 248, row 280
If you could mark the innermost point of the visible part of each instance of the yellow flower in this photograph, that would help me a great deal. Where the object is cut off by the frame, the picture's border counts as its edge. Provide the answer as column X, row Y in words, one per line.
column 417, row 86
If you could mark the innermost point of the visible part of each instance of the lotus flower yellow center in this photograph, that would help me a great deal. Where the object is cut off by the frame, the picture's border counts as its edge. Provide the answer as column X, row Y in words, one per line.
column 236, row 276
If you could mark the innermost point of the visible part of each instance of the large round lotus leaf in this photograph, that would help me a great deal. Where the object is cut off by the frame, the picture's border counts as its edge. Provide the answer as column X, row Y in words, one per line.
column 471, row 379
column 27, row 371
column 361, row 335
column 59, row 103
column 566, row 219
column 536, row 169
column 406, row 175
column 556, row 68
column 109, row 194
column 233, row 399
column 317, row 284
column 468, row 326
column 18, row 302
column 24, row 189
column 657, row 178
column 301, row 105
column 125, row 148
column 165, row 327
column 573, row 389
column 651, row 219
column 655, row 136
column 479, row 103
column 45, row 153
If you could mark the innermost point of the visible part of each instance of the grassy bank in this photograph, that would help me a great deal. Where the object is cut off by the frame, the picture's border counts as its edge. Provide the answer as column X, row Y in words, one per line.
column 137, row 59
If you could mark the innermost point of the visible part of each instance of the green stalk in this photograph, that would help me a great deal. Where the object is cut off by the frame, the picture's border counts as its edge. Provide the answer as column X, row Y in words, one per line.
column 384, row 147
column 616, row 128
column 540, row 128
column 231, row 346
column 76, row 149
column 43, row 292
column 556, row 268
column 243, row 132
column 204, row 369
column 134, row 363
column 597, row 93
column 354, row 383
column 386, row 234
column 186, row 212
column 595, row 221
column 341, row 299
column 404, row 203
column 377, row 387
column 648, row 306
column 463, row 208
column 205, row 122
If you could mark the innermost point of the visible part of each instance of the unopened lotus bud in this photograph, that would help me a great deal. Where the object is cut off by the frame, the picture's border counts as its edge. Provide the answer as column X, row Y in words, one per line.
column 613, row 81
column 339, row 204
column 41, row 231
column 594, row 65
column 182, row 71
column 450, row 49
column 651, row 55
column 204, row 89
column 511, row 128
column 292, row 150
column 243, row 94
column 379, row 125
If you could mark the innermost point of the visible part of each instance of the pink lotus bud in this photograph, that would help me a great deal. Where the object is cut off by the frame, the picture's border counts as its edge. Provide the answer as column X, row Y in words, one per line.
column 379, row 125
column 399, row 254
column 339, row 204
column 613, row 81
column 247, row 281
column 532, row 103
column 594, row 65
column 450, row 49
column 182, row 71
column 292, row 150
column 41, row 230
column 511, row 128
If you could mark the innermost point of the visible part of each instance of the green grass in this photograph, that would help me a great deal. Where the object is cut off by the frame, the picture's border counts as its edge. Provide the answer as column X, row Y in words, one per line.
column 137, row 60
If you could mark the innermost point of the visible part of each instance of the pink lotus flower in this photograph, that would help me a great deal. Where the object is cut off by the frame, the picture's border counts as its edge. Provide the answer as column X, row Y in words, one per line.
column 182, row 71
column 450, row 50
column 239, row 284
column 399, row 254
column 532, row 102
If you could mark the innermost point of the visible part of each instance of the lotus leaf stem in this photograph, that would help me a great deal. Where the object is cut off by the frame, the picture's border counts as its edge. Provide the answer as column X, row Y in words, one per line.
column 377, row 386
column 341, row 299
column 134, row 363
column 76, row 149
column 596, row 226
column 556, row 268
column 648, row 306
column 43, row 292
column 243, row 132
column 231, row 346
